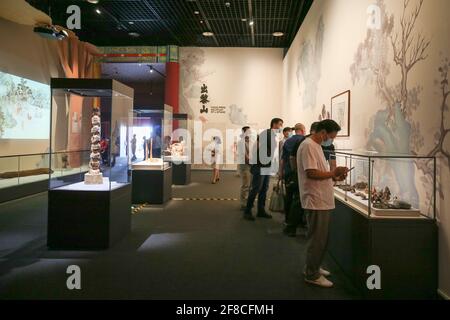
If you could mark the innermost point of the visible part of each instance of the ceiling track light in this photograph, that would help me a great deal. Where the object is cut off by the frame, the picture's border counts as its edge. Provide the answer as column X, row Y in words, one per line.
column 98, row 11
column 278, row 34
column 208, row 34
column 251, row 23
column 93, row 1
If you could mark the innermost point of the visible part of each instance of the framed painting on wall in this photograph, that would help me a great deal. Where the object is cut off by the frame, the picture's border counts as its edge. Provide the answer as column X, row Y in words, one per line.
column 340, row 112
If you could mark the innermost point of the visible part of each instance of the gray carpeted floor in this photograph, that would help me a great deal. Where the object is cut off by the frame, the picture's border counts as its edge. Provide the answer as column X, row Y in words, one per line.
column 184, row 250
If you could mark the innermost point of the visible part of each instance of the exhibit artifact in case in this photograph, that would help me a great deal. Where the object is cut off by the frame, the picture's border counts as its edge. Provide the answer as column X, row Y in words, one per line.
column 91, row 121
column 178, row 151
column 94, row 176
column 178, row 148
column 381, row 185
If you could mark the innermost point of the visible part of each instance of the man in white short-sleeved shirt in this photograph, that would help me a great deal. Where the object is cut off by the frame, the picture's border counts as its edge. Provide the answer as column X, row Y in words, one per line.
column 317, row 197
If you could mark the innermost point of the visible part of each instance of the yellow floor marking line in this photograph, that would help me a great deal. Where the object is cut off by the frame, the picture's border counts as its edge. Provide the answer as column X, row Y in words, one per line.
column 135, row 209
column 205, row 199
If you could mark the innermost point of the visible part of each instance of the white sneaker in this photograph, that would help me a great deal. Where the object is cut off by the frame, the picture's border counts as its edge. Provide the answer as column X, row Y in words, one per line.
column 322, row 272
column 321, row 282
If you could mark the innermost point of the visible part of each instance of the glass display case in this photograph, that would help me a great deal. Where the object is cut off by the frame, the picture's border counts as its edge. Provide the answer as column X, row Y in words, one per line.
column 89, row 186
column 91, row 122
column 152, row 174
column 151, row 133
column 388, row 185
column 179, row 148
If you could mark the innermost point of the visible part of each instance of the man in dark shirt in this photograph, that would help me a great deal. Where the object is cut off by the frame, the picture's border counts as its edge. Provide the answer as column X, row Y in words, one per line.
column 286, row 172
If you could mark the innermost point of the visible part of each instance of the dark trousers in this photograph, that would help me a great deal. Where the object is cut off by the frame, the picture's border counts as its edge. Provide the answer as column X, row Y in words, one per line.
column 318, row 222
column 295, row 215
column 290, row 190
column 260, row 185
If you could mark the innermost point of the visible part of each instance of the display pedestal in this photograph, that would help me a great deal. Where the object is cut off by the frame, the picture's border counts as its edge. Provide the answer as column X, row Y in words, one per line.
column 88, row 219
column 405, row 249
column 152, row 186
column 181, row 174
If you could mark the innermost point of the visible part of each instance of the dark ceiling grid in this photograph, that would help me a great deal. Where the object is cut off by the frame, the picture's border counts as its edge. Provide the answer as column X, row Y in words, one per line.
column 206, row 22
column 173, row 22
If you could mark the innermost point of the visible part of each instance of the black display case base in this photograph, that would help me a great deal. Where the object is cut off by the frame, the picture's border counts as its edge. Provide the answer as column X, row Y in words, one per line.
column 181, row 174
column 405, row 250
column 152, row 186
column 88, row 220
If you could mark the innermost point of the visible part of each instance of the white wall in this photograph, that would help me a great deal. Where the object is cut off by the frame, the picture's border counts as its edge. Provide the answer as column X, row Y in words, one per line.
column 335, row 51
column 246, row 81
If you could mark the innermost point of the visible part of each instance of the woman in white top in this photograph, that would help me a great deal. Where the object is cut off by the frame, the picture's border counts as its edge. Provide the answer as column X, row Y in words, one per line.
column 216, row 159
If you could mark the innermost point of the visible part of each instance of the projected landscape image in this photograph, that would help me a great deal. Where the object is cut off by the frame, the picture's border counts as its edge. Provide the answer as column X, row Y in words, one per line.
column 24, row 108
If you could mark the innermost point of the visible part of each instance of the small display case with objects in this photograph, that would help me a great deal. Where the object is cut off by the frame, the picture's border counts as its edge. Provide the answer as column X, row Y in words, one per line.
column 152, row 175
column 91, row 121
column 178, row 152
column 385, row 216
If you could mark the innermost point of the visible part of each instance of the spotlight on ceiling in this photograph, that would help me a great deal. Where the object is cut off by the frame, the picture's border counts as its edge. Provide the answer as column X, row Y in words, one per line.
column 208, row 34
column 251, row 23
column 93, row 1
column 151, row 69
column 98, row 11
column 133, row 34
column 227, row 4
column 196, row 12
column 244, row 20
column 278, row 34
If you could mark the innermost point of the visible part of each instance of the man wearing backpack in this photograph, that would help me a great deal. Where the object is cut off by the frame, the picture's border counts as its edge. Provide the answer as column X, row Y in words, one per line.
column 290, row 180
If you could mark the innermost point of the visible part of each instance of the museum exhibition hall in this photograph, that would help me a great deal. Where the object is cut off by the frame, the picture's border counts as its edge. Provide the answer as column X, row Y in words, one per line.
column 224, row 150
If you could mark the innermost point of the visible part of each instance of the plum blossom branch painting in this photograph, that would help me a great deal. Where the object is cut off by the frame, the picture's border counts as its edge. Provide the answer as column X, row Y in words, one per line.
column 393, row 129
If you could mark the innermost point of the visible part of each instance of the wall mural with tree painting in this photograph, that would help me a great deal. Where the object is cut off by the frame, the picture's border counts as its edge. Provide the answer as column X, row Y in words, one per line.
column 393, row 128
column 309, row 70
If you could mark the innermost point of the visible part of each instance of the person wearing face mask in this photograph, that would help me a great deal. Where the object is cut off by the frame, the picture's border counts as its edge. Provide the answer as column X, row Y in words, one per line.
column 287, row 133
column 264, row 153
column 317, row 197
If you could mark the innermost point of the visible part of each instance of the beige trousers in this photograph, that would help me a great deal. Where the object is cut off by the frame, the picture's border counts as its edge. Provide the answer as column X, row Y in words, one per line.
column 246, row 176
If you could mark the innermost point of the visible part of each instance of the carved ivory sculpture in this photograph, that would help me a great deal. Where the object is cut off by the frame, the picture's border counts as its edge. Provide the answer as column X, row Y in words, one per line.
column 94, row 176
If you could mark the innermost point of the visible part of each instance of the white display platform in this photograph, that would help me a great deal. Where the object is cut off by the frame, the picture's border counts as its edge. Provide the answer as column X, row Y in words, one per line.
column 153, row 164
column 363, row 206
column 81, row 186
column 179, row 159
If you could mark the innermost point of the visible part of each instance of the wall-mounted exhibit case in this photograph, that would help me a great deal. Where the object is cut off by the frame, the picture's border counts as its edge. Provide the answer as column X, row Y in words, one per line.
column 178, row 151
column 152, row 175
column 90, row 120
column 385, row 217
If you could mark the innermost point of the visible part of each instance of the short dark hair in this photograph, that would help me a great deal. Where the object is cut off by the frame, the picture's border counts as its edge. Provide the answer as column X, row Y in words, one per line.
column 328, row 125
column 314, row 126
column 244, row 129
column 275, row 121
column 287, row 129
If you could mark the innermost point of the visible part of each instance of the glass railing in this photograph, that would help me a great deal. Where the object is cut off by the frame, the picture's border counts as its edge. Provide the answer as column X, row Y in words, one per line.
column 30, row 168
